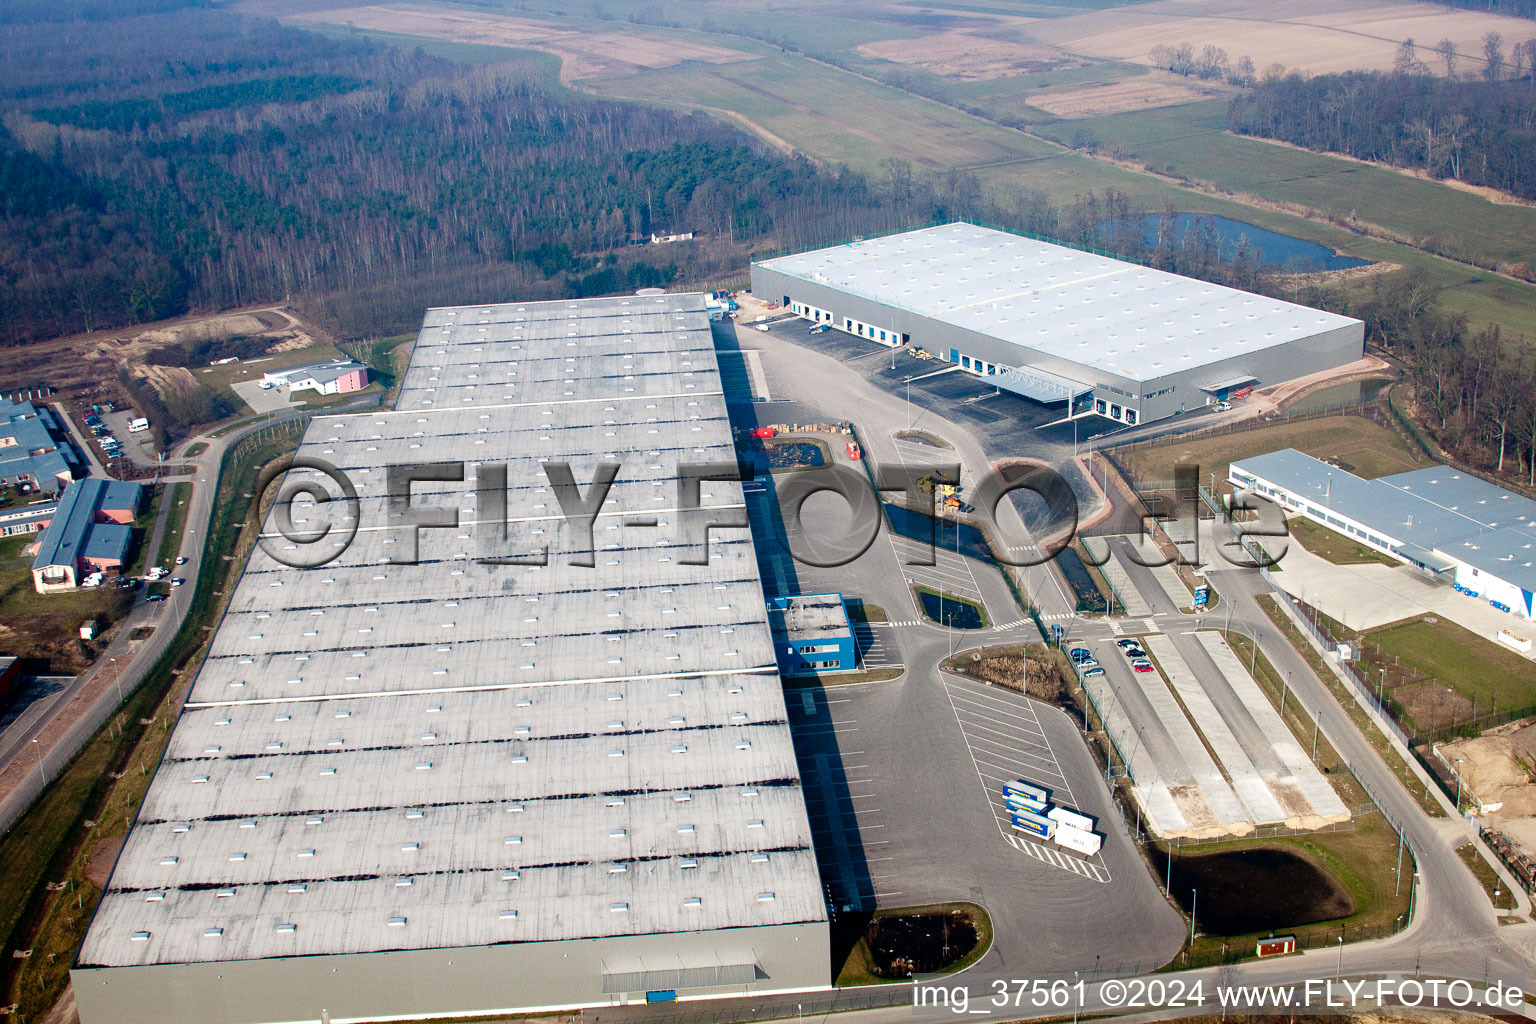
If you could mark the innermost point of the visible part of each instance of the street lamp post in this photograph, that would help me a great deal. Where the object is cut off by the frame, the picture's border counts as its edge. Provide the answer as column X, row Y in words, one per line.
column 41, row 771
column 1194, row 899
column 1340, row 972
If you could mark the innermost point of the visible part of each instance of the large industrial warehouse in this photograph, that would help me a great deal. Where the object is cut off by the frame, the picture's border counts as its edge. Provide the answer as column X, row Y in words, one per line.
column 456, row 787
column 1099, row 335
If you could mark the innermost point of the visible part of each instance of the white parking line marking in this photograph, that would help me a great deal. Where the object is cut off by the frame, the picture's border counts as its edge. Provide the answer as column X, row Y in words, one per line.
column 972, row 724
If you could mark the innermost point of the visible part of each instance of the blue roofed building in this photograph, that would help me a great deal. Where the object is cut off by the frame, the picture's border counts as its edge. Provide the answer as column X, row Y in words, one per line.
column 1460, row 528
column 90, row 532
column 34, row 450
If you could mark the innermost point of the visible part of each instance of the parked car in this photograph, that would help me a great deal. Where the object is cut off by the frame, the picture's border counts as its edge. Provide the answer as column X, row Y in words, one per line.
column 1126, row 641
column 155, row 597
column 762, row 327
column 1090, row 663
column 1080, row 654
column 1091, row 673
column 1134, row 652
column 1142, row 666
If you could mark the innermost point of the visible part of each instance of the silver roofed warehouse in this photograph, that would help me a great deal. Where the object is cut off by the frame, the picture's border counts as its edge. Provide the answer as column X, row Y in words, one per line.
column 445, row 786
column 1099, row 335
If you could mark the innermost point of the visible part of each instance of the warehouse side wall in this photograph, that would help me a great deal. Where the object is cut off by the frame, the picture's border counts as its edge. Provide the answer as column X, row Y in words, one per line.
column 412, row 984
column 1299, row 358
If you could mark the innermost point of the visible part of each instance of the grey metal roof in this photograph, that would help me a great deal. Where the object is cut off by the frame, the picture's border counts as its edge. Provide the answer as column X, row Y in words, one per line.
column 491, row 753
column 808, row 616
column 323, row 373
column 73, row 532
column 1432, row 512
column 1119, row 317
column 1467, row 495
column 34, row 450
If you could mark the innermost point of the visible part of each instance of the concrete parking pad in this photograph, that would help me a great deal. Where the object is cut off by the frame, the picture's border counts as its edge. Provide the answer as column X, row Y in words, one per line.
column 1173, row 588
column 1199, row 769
column 1251, row 788
column 1129, row 598
column 1300, row 787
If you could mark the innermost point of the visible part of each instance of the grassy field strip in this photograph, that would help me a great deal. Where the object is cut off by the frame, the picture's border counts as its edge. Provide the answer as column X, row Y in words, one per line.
column 1409, row 774
column 1192, row 142
column 177, row 495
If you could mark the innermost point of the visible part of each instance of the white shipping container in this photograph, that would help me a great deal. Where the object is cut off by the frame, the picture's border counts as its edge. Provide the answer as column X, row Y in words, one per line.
column 1066, row 816
column 1086, row 843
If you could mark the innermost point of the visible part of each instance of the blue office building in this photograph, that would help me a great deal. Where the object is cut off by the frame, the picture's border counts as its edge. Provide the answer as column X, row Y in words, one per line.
column 812, row 634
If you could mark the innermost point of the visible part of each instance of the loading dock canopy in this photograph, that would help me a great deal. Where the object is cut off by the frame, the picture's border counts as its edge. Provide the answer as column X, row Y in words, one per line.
column 1426, row 558
column 1230, row 384
column 662, row 979
column 1037, row 384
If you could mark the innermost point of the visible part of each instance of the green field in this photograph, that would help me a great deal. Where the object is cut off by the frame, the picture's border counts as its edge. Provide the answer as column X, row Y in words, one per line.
column 831, row 115
column 1366, row 447
column 1335, row 547
column 1191, row 142
column 842, row 117
column 1455, row 657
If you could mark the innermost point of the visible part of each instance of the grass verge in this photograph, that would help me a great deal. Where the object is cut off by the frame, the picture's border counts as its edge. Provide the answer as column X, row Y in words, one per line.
column 1362, row 446
column 859, row 611
column 1335, row 547
column 1498, row 893
column 1357, row 714
column 873, row 675
column 194, row 449
column 1478, row 669
column 177, row 500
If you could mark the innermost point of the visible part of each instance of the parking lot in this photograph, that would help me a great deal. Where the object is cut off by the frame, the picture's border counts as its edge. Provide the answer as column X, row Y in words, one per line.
column 841, row 800
column 1005, row 740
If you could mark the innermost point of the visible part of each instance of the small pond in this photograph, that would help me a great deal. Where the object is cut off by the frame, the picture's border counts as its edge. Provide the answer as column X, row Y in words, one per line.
column 948, row 612
column 1241, row 892
column 1272, row 248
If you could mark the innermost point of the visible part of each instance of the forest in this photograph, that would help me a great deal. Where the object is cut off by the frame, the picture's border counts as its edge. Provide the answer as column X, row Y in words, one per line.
column 226, row 160
column 1481, row 131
